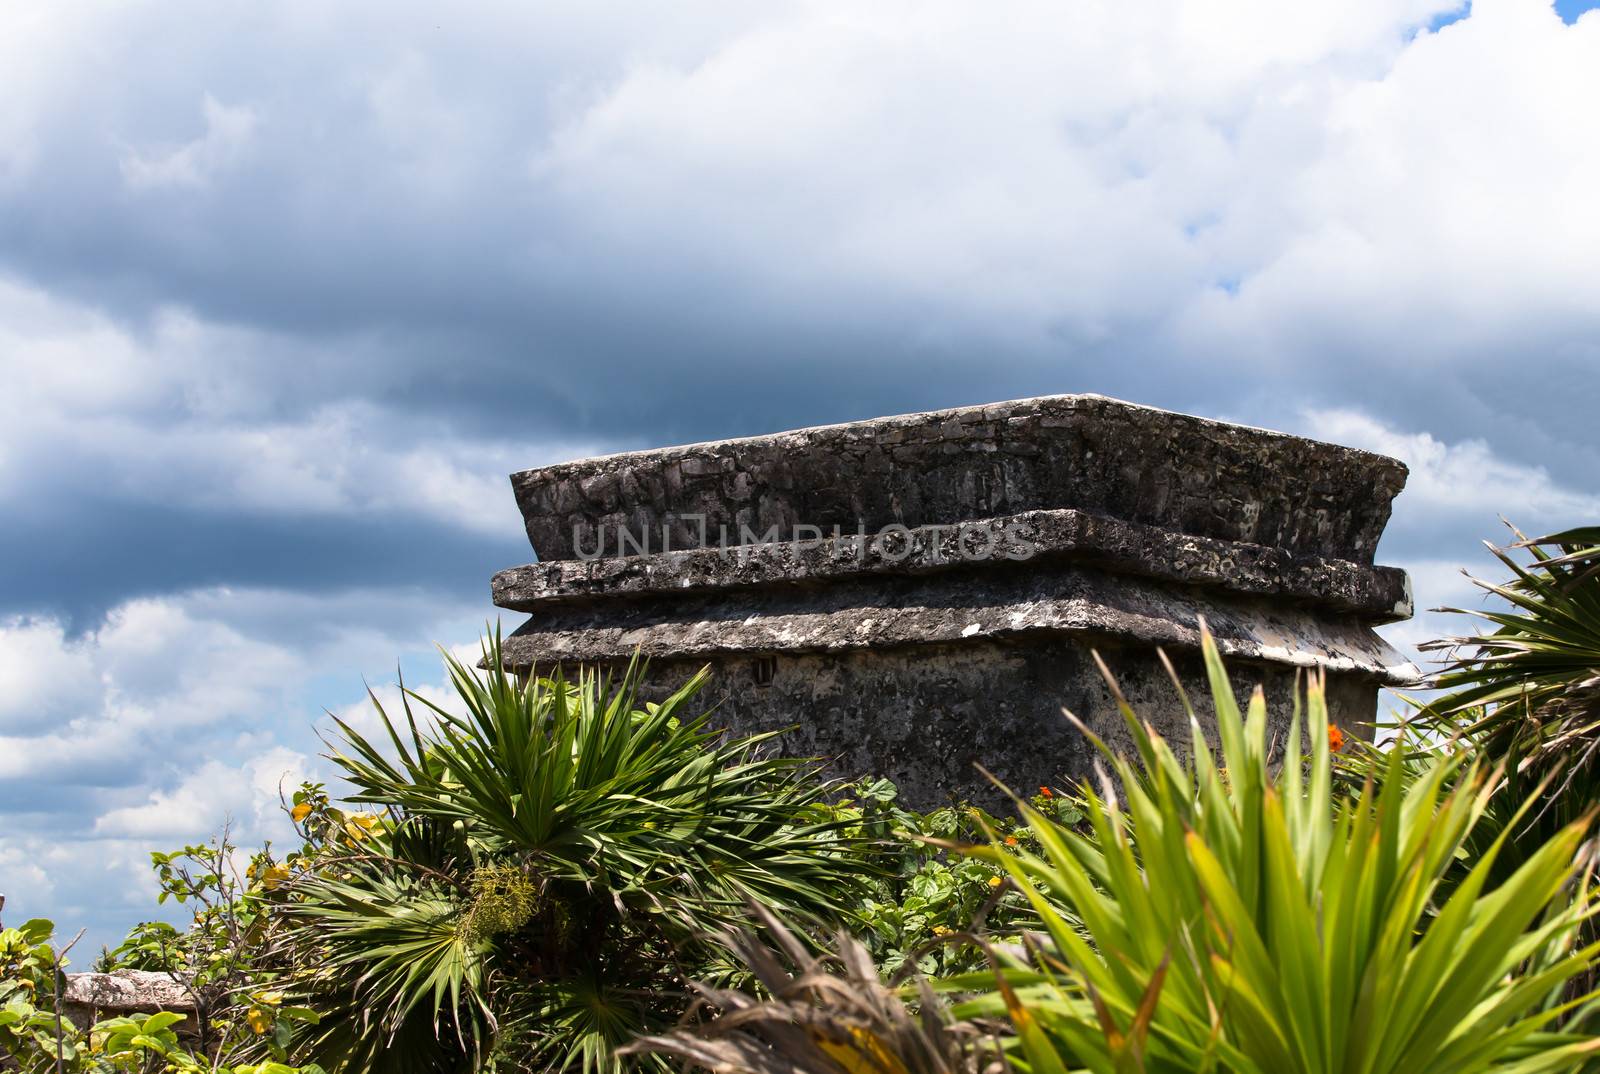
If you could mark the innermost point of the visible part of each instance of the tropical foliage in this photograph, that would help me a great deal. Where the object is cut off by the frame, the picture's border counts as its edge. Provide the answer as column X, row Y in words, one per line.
column 1533, row 682
column 823, row 1013
column 543, row 871
column 36, row 1036
column 223, row 960
column 920, row 896
column 1526, row 695
column 1231, row 913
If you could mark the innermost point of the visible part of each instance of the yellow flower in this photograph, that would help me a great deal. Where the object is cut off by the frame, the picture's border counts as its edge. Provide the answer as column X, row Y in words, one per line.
column 941, row 930
column 271, row 999
column 274, row 875
column 258, row 1019
column 995, row 881
column 360, row 825
column 300, row 812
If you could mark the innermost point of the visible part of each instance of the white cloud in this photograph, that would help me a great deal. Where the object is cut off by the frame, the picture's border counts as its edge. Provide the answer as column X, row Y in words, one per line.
column 247, row 794
column 176, row 715
column 1454, row 496
column 42, row 676
column 225, row 143
column 1070, row 165
column 189, row 414
column 1460, row 477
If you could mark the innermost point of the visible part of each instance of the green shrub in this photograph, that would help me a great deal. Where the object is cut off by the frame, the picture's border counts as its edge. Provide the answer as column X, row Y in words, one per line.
column 36, row 1037
column 921, row 897
column 825, row 1012
column 1240, row 917
column 1231, row 914
column 543, row 872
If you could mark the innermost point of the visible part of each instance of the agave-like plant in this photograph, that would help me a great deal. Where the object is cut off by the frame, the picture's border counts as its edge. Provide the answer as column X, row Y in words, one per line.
column 551, row 863
column 1234, row 914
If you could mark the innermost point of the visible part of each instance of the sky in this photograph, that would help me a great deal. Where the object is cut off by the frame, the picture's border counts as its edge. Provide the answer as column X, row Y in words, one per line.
column 287, row 290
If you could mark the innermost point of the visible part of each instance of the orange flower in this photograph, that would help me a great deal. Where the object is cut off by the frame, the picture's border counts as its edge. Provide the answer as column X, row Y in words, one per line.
column 1335, row 738
column 1011, row 840
column 1047, row 792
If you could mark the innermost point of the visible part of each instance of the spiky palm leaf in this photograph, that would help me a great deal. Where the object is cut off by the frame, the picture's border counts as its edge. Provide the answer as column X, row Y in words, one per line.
column 641, row 801
column 402, row 984
column 1237, row 916
column 557, row 854
column 1531, row 686
column 1230, row 913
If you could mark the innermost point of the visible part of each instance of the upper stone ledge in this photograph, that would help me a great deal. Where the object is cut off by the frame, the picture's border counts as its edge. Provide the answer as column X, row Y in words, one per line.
column 1375, row 594
column 1187, row 475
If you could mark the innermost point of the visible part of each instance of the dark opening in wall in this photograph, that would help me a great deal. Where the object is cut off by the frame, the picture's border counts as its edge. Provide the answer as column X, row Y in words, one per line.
column 765, row 669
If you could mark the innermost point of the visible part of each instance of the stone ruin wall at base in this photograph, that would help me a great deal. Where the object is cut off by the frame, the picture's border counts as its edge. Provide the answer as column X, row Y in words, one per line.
column 921, row 593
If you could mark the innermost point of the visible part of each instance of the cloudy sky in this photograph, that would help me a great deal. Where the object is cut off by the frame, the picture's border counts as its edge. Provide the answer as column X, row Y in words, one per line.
column 287, row 289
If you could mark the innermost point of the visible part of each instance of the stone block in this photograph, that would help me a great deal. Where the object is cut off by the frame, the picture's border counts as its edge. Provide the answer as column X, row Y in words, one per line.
column 918, row 594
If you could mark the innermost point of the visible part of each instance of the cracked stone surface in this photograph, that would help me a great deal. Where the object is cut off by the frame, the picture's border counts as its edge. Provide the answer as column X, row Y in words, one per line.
column 927, row 716
column 90, row 997
column 1185, row 474
column 1015, row 605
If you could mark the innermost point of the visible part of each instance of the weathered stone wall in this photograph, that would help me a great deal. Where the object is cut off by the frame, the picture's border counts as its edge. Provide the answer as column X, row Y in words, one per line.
column 1006, row 543
column 927, row 716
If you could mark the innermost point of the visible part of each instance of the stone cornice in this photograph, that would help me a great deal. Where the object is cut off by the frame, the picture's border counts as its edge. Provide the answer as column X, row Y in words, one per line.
column 952, row 608
column 1024, row 541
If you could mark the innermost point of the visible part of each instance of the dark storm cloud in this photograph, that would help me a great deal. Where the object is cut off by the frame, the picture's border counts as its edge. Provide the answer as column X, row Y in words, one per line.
column 79, row 560
column 483, row 207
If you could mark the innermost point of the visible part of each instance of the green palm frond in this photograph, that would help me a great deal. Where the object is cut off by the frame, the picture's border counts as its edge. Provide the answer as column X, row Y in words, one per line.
column 553, row 858
column 1235, row 914
column 1537, row 673
column 649, row 802
column 393, row 949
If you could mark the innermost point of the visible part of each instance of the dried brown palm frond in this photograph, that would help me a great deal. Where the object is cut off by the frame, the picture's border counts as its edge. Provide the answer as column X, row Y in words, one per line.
column 828, row 1013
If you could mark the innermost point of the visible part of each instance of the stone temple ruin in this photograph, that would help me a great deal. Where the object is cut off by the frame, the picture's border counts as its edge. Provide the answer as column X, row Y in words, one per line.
column 919, row 594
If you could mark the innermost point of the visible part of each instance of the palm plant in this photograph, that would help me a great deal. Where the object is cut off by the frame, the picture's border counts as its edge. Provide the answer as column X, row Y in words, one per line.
column 1239, row 916
column 545, row 873
column 1541, row 663
column 1527, row 694
column 1525, row 697
column 1228, row 913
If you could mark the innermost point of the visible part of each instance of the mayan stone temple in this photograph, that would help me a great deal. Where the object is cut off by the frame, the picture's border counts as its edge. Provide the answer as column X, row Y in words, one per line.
column 920, row 594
